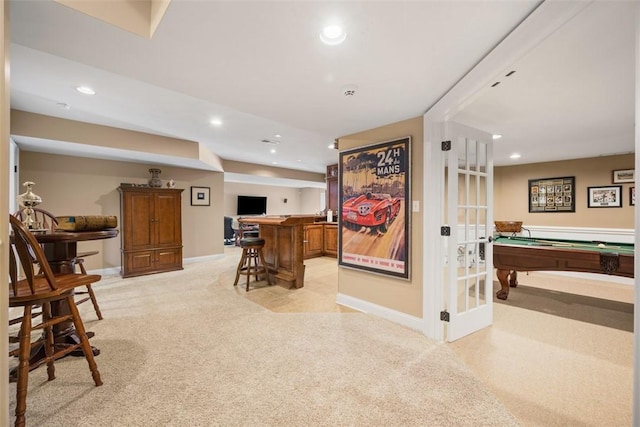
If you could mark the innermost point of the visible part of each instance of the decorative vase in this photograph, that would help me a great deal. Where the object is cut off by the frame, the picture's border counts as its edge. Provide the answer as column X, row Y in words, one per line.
column 29, row 200
column 155, row 180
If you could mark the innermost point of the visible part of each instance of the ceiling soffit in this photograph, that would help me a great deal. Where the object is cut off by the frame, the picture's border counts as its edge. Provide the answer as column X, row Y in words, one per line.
column 140, row 17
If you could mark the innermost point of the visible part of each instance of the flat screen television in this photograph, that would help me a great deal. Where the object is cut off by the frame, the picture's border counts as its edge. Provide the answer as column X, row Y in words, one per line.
column 252, row 205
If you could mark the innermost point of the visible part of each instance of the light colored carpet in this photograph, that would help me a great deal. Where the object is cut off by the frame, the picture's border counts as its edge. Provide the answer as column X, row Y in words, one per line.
column 556, row 358
column 185, row 349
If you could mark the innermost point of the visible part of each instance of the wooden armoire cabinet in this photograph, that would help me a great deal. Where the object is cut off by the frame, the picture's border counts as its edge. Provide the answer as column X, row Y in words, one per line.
column 151, row 234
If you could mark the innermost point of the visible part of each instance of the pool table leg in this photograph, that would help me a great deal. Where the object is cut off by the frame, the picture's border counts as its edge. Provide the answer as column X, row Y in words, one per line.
column 507, row 278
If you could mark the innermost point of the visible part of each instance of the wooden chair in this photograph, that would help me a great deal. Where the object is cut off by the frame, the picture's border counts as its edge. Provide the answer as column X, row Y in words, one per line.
column 42, row 288
column 49, row 222
column 45, row 220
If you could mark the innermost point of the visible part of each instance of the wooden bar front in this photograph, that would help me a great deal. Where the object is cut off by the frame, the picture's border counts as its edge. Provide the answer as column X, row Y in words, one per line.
column 284, row 246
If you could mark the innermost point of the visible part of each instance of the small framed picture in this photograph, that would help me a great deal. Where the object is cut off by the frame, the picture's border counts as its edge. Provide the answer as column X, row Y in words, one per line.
column 624, row 175
column 200, row 196
column 632, row 196
column 605, row 197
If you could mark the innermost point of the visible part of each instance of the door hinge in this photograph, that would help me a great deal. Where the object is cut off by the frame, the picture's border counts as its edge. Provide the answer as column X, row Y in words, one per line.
column 444, row 316
column 446, row 145
column 445, row 230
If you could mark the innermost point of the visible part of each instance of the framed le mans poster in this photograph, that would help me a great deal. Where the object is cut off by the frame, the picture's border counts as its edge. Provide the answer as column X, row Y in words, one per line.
column 374, row 208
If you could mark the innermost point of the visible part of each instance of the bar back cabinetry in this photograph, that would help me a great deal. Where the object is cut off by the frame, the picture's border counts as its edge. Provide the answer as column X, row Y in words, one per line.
column 332, row 188
column 330, row 241
column 151, row 237
column 313, row 240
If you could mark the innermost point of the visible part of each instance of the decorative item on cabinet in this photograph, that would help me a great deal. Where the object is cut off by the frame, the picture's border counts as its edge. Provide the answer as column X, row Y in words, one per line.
column 151, row 242
column 155, row 180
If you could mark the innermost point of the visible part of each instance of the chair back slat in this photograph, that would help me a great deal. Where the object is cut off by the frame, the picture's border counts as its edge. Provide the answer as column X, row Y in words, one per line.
column 45, row 218
column 13, row 270
column 30, row 253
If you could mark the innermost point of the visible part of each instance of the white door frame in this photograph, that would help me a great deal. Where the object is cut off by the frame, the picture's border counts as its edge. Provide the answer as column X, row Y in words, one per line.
column 541, row 23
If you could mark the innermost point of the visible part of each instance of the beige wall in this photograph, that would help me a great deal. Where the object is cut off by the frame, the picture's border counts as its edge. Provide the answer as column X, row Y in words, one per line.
column 75, row 186
column 79, row 186
column 511, row 192
column 396, row 294
column 299, row 200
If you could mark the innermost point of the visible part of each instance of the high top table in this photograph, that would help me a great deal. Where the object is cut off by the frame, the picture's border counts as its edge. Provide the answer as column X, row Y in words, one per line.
column 60, row 248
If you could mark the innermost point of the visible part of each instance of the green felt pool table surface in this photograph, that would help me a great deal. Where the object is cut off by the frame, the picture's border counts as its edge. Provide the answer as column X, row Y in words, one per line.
column 601, row 246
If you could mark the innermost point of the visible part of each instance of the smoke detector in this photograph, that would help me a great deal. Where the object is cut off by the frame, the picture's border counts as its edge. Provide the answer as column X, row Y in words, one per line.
column 349, row 90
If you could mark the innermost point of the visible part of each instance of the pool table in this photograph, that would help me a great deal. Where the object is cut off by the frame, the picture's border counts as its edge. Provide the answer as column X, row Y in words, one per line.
column 515, row 253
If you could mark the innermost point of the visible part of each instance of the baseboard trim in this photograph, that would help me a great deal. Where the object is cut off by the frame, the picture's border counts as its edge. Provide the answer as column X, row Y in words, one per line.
column 403, row 319
column 202, row 258
column 111, row 271
column 592, row 276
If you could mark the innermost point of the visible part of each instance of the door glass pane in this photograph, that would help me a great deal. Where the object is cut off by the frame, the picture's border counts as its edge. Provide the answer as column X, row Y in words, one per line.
column 472, row 215
column 462, row 220
column 482, row 291
column 473, row 190
column 462, row 295
column 482, row 197
column 462, row 189
column 482, row 157
column 462, row 153
column 473, row 292
column 471, row 154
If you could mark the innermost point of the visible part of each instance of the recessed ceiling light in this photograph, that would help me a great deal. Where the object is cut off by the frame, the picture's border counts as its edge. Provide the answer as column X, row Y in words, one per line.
column 273, row 151
column 515, row 156
column 86, row 90
column 333, row 35
column 274, row 163
column 496, row 136
column 216, row 122
column 277, row 135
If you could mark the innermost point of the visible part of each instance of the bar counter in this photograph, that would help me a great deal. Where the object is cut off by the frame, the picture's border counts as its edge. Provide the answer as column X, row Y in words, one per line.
column 284, row 246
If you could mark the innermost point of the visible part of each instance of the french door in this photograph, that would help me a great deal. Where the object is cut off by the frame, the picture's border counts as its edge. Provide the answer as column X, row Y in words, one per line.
column 469, row 266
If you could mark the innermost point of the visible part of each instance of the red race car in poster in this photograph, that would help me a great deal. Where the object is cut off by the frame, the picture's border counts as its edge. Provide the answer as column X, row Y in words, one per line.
column 372, row 210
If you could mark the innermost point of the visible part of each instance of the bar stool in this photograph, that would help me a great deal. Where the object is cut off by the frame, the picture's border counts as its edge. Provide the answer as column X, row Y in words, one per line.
column 252, row 250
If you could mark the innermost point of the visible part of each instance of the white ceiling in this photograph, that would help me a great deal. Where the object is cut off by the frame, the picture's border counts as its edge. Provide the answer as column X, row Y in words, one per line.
column 261, row 68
